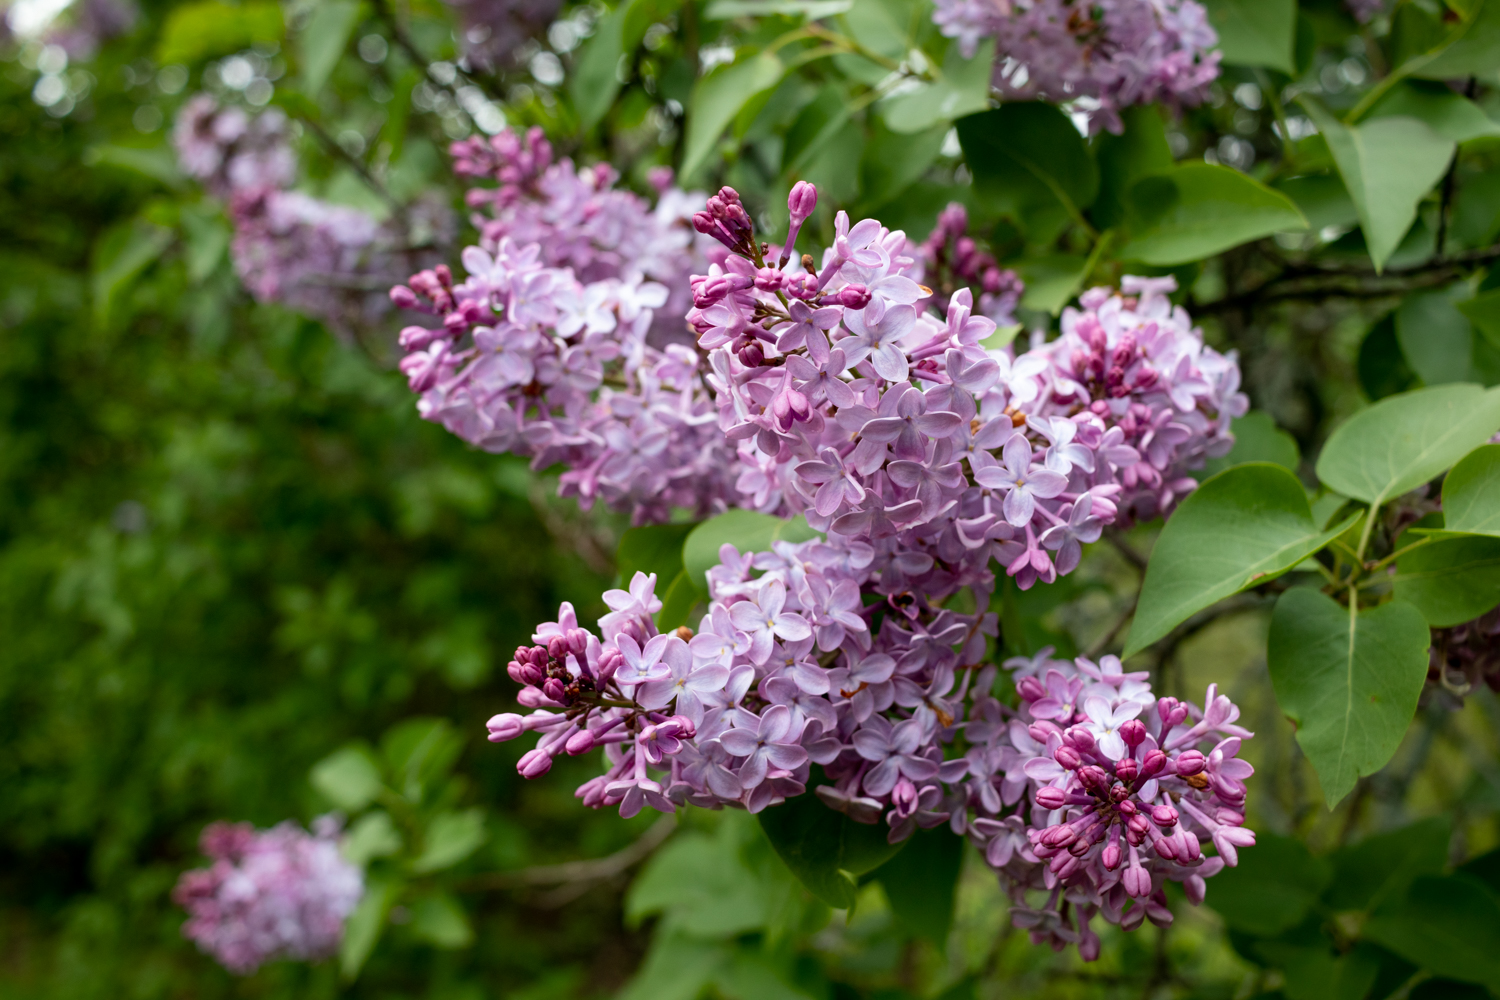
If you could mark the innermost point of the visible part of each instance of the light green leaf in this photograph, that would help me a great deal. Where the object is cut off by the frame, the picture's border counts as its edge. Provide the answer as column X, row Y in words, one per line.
column 1256, row 439
column 1451, row 580
column 1450, row 115
column 121, row 256
column 1256, row 32
column 1483, row 311
column 717, row 98
column 921, row 883
column 1051, row 280
column 1272, row 887
column 1472, row 49
column 365, row 924
column 420, row 751
column 449, row 838
column 676, row 968
column 374, row 836
column 750, row 976
column 1197, row 210
column 324, row 40
column 348, row 777
column 892, row 162
column 1388, row 165
column 157, row 162
column 963, row 89
column 1350, row 683
column 1471, row 493
column 1242, row 527
column 813, row 10
column 1436, row 338
column 677, row 602
column 745, row 530
column 1322, row 198
column 883, row 26
column 1448, row 924
column 199, row 30
column 1404, row 440
column 701, row 887
column 438, row 919
column 1029, row 162
column 826, row 850
column 208, row 236
column 595, row 79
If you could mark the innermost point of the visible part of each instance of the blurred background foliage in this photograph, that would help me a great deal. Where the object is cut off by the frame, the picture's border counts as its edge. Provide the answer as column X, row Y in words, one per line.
column 228, row 545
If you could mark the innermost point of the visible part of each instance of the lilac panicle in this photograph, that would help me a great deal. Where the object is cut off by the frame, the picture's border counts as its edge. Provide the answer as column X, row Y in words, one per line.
column 268, row 894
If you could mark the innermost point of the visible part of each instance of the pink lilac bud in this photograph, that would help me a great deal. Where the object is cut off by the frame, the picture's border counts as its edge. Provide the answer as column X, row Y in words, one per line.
column 1030, row 689
column 506, row 726
column 580, row 742
column 557, row 647
column 555, row 690
column 1068, row 758
column 1082, row 738
column 1164, row 816
column 1093, row 777
column 1051, row 798
column 1189, row 763
column 534, row 763
column 1152, row 765
column 1133, row 733
column 853, row 296
column 1127, row 769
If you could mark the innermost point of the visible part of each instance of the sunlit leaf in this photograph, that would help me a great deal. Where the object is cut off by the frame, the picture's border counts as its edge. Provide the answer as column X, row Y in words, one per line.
column 323, row 40
column 199, row 30
column 963, row 89
column 1197, row 210
column 745, row 530
column 718, row 97
column 1255, row 32
column 1471, row 493
column 349, row 777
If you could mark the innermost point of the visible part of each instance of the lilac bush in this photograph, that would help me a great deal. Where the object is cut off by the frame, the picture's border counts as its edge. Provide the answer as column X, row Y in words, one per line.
column 1101, row 57
column 269, row 894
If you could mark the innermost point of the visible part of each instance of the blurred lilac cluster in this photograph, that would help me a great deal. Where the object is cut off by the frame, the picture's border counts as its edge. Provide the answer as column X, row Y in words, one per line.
column 277, row 893
column 330, row 261
column 493, row 30
column 1101, row 56
column 901, row 430
column 951, row 259
column 1095, row 793
column 1365, row 11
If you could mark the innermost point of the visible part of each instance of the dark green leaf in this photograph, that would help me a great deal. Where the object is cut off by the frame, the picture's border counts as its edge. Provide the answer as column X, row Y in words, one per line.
column 1255, row 32
column 324, row 40
column 1450, row 925
column 892, row 162
column 749, row 975
column 365, row 925
column 199, row 30
column 1139, row 151
column 1272, row 888
column 1314, row 972
column 1472, row 49
column 826, row 850
column 717, row 98
column 121, row 256
column 1403, row 441
column 676, row 968
column 349, row 778
column 963, row 89
column 1435, row 337
column 1450, row 115
column 596, row 81
column 677, row 602
column 652, row 548
column 1350, row 683
column 1382, row 866
column 1388, row 166
column 1200, row 209
column 1244, row 526
column 745, row 530
column 1451, row 580
column 157, row 163
column 1323, row 199
column 1483, row 311
column 438, row 919
column 1030, row 163
column 921, row 882
column 1485, row 868
column 1383, row 369
column 1256, row 439
column 1471, row 493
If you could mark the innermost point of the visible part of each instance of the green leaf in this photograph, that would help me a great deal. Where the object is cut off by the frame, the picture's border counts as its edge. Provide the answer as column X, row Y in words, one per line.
column 751, row 976
column 963, row 89
column 745, row 530
column 1322, row 198
column 348, row 777
column 121, row 256
column 1483, row 311
column 1388, row 165
column 1450, row 115
column 1139, row 151
column 438, row 919
column 676, row 968
column 1256, row 439
column 1471, row 493
column 1451, row 580
column 1382, row 867
column 324, row 40
column 921, row 882
column 717, row 98
column 1272, row 888
column 1051, row 280
column 1383, row 369
column 653, row 548
column 813, row 10
column 1435, row 336
column 199, row 30
column 1403, row 441
column 701, row 887
column 208, row 237
column 892, row 162
column 1449, row 925
column 365, row 924
column 595, row 79
column 1030, row 162
column 1473, row 49
column 449, row 838
column 374, row 836
column 1242, row 527
column 1256, row 32
column 157, row 162
column 419, row 751
column 826, row 850
column 1197, row 210
column 1350, row 683
column 1314, row 972
column 677, row 602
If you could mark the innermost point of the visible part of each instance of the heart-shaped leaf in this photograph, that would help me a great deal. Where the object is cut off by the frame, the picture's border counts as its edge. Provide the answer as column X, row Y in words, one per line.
column 1349, row 681
column 1246, row 525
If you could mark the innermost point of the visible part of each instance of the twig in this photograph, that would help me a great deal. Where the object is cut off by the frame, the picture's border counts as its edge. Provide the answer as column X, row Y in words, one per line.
column 404, row 42
column 1126, row 549
column 333, row 146
column 586, row 872
column 1103, row 642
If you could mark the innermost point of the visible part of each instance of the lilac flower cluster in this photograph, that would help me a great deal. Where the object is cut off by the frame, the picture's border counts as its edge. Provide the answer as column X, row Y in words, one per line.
column 329, row 261
column 547, row 347
column 1095, row 793
column 1101, row 56
column 277, row 893
column 951, row 259
column 492, row 30
column 900, row 430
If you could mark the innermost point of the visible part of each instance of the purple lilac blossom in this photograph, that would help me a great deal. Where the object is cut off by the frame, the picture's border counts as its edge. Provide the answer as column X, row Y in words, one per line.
column 492, row 30
column 1365, row 11
column 277, row 893
column 1105, row 55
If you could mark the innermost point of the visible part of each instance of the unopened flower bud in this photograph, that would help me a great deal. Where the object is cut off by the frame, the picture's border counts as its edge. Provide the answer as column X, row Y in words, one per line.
column 1190, row 851
column 534, row 763
column 1093, row 777
column 1080, row 737
column 403, row 297
column 557, row 647
column 505, row 726
column 1042, row 729
column 1229, row 817
column 1111, row 856
column 1154, row 762
column 1133, row 733
column 1059, row 836
column 801, row 202
column 554, row 690
column 1031, row 689
column 1189, row 763
column 1164, row 816
column 852, row 296
column 609, row 662
column 1127, row 769
column 578, row 641
column 517, row 671
column 580, row 742
column 1067, row 757
column 1050, row 797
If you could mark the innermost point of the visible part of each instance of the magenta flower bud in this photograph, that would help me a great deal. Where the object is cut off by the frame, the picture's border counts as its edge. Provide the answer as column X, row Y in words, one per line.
column 1067, row 757
column 1229, row 817
column 1164, row 816
column 1133, row 733
column 1111, row 857
column 1042, row 729
column 1154, row 762
column 1118, row 794
column 751, row 356
column 505, row 726
column 1059, row 836
column 554, row 690
column 609, row 662
column 1093, row 777
column 768, row 279
column 801, row 202
column 1189, row 763
column 557, row 647
column 580, row 742
column 1138, row 824
column 1189, row 850
column 517, row 672
column 578, row 641
column 534, row 763
column 403, row 297
column 1050, row 797
column 1030, row 689
column 1165, row 706
column 852, row 296
column 1127, row 769
column 1081, row 738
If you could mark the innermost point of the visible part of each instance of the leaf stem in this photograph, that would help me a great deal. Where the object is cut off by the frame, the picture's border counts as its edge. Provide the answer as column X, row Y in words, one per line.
column 1382, row 564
